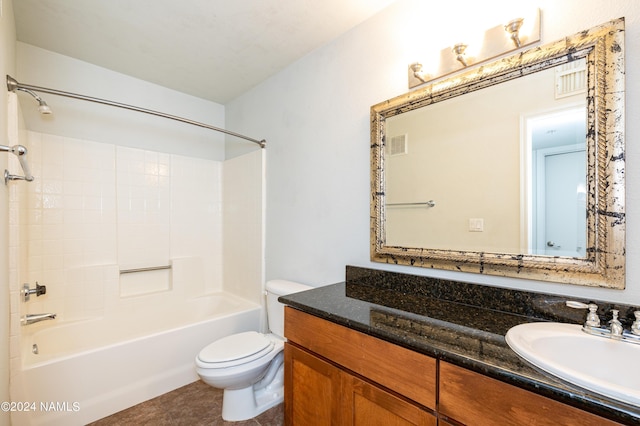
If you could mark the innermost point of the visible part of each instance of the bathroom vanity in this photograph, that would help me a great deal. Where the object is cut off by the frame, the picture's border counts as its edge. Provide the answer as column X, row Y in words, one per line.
column 388, row 348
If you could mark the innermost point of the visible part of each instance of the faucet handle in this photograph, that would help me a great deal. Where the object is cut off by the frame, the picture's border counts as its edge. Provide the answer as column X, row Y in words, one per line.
column 635, row 327
column 616, row 325
column 27, row 292
column 592, row 317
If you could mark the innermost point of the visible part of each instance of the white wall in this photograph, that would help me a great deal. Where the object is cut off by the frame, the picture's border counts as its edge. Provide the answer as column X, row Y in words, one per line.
column 99, row 123
column 7, row 66
column 315, row 117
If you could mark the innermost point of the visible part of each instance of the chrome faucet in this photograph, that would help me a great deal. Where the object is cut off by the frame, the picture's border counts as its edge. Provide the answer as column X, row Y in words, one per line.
column 615, row 330
column 592, row 317
column 33, row 318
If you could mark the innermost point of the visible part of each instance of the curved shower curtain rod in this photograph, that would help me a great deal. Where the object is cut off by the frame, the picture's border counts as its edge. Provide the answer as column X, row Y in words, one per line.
column 13, row 85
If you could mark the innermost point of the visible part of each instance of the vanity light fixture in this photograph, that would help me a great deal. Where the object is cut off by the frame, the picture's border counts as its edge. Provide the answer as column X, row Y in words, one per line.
column 459, row 50
column 492, row 43
column 416, row 67
column 513, row 28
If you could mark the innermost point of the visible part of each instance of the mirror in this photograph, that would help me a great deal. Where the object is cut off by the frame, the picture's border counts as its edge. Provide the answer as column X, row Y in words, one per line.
column 515, row 168
column 488, row 204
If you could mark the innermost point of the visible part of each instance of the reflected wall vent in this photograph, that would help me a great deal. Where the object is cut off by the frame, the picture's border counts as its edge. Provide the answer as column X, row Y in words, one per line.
column 571, row 78
column 398, row 145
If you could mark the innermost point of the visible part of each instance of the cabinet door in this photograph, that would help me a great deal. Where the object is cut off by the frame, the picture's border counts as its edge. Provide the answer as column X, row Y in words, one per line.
column 371, row 405
column 319, row 393
column 313, row 390
column 473, row 399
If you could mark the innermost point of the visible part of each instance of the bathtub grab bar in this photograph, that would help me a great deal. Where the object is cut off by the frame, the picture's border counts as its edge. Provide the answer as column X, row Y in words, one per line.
column 150, row 268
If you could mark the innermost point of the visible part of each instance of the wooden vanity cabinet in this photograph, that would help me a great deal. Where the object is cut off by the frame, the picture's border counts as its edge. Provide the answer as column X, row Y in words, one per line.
column 338, row 376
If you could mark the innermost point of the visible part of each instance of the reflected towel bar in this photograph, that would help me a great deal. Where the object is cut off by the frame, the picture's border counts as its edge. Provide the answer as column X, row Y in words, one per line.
column 150, row 268
column 429, row 203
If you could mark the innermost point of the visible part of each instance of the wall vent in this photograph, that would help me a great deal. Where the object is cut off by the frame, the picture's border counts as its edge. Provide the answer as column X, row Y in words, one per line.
column 398, row 145
column 571, row 78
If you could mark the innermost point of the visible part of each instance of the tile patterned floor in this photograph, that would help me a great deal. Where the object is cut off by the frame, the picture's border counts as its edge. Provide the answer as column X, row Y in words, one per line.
column 192, row 405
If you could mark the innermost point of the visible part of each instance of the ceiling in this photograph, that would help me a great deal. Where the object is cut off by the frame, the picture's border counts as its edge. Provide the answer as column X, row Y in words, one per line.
column 213, row 49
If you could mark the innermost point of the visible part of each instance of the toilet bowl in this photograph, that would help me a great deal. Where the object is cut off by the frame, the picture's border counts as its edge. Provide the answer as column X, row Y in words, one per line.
column 249, row 366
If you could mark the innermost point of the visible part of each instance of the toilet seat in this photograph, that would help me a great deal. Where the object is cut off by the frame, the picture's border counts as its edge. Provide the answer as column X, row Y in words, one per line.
column 235, row 350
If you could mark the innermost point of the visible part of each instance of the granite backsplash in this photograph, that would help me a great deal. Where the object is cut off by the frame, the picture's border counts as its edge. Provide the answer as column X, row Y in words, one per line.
column 406, row 289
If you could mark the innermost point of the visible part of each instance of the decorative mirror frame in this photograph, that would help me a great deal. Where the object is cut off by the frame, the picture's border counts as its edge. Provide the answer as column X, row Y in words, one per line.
column 604, row 263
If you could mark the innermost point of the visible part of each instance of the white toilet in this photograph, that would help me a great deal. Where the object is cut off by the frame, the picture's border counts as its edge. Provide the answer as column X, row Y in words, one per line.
column 249, row 366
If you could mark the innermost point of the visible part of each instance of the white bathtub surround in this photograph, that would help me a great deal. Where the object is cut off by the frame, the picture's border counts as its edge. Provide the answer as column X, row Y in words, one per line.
column 197, row 220
column 188, row 275
column 119, row 339
column 94, row 205
column 143, row 188
column 243, row 223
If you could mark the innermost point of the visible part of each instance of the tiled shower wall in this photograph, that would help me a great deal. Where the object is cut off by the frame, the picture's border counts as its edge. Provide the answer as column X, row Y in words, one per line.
column 17, row 229
column 97, row 208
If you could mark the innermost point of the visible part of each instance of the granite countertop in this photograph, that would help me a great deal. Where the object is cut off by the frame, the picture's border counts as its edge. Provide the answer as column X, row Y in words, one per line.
column 443, row 324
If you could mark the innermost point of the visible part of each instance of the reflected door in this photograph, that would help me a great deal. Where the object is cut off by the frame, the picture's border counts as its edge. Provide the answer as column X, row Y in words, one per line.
column 563, row 203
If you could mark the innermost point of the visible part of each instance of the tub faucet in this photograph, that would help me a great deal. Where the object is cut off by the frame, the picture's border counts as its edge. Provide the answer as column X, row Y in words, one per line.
column 31, row 318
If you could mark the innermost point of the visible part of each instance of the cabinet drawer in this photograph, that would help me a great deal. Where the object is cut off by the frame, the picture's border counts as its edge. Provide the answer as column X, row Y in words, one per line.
column 404, row 371
column 474, row 399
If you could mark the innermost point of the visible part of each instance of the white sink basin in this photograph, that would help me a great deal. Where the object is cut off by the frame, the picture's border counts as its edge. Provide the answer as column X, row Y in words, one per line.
column 605, row 366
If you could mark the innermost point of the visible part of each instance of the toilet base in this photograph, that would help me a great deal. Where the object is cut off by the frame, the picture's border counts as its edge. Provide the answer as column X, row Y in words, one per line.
column 246, row 403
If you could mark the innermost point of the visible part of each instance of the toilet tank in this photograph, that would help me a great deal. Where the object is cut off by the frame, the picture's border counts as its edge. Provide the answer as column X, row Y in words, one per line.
column 275, row 309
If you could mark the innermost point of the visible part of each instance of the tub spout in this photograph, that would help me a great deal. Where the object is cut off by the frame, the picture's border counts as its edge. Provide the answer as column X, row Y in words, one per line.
column 31, row 318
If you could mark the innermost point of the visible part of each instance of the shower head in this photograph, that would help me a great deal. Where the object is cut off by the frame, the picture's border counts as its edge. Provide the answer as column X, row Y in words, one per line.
column 13, row 85
column 42, row 105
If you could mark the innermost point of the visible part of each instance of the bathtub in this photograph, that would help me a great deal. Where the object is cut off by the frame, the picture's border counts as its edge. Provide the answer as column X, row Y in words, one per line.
column 86, row 370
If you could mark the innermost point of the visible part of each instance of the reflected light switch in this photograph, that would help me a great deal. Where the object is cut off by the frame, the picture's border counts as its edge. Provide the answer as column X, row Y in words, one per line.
column 476, row 225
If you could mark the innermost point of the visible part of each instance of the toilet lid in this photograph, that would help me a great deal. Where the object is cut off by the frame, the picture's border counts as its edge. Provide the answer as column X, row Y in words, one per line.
column 236, row 349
